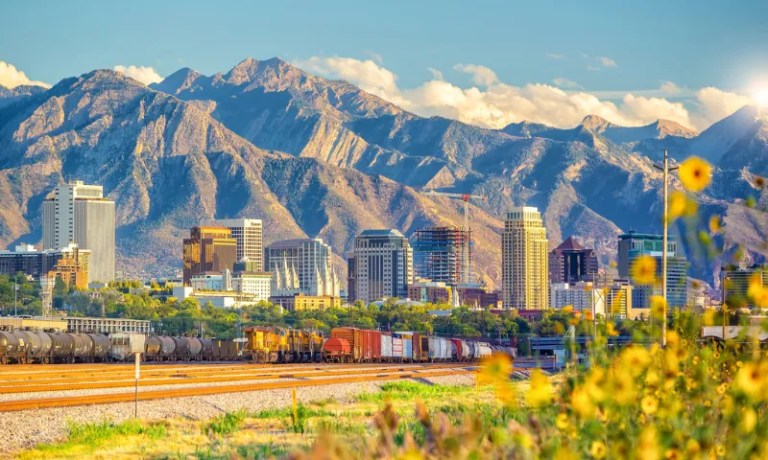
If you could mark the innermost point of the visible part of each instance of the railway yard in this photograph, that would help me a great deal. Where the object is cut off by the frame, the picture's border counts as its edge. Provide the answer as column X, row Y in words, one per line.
column 38, row 401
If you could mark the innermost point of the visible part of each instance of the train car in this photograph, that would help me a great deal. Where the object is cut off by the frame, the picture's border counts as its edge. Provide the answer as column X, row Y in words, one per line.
column 152, row 347
column 207, row 353
column 101, row 345
column 267, row 344
column 224, row 350
column 195, row 346
column 387, row 353
column 124, row 345
column 39, row 349
column 481, row 350
column 420, row 348
column 349, row 344
column 304, row 345
column 83, row 347
column 397, row 349
column 167, row 349
column 439, row 349
column 13, row 349
column 407, row 350
column 62, row 347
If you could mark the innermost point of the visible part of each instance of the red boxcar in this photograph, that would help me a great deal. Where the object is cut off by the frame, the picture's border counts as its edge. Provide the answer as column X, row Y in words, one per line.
column 456, row 351
column 420, row 348
column 353, row 345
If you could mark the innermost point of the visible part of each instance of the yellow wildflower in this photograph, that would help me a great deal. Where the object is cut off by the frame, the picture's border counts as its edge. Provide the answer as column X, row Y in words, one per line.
column 692, row 447
column 610, row 329
column 643, row 270
column 494, row 369
column 649, row 445
column 672, row 454
column 757, row 292
column 597, row 449
column 695, row 174
column 649, row 404
column 562, row 421
column 635, row 358
column 540, row 392
column 680, row 205
column 748, row 420
column 714, row 224
column 568, row 309
column 658, row 307
column 582, row 403
column 751, row 379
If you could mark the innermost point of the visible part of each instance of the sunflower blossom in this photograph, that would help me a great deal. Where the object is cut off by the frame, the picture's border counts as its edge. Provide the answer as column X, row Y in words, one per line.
column 695, row 174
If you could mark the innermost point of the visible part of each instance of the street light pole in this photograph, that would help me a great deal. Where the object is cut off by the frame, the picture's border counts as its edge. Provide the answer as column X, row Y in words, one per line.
column 665, row 249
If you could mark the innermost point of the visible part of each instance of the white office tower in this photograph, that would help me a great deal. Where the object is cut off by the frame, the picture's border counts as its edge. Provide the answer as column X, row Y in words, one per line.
column 301, row 266
column 249, row 236
column 79, row 213
column 383, row 265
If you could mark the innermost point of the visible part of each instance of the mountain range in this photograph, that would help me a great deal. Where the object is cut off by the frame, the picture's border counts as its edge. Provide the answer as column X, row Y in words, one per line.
column 315, row 157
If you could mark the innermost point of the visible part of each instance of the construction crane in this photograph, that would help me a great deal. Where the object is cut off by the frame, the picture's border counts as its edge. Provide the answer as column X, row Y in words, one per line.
column 465, row 197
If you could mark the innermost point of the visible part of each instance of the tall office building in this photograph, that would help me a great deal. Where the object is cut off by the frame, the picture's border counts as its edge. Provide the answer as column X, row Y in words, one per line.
column 351, row 278
column 70, row 263
column 208, row 250
column 442, row 255
column 633, row 245
column 383, row 262
column 571, row 263
column 302, row 266
column 524, row 260
column 78, row 213
column 248, row 234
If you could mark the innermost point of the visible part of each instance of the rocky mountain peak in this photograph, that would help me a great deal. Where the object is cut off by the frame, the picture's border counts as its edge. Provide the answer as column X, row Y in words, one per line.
column 596, row 123
column 666, row 128
column 178, row 81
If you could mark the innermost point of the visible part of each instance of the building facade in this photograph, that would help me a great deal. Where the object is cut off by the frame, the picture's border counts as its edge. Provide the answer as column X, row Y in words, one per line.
column 571, row 263
column 78, row 213
column 302, row 266
column 633, row 245
column 383, row 265
column 208, row 249
column 442, row 254
column 70, row 264
column 299, row 302
column 248, row 234
column 257, row 286
column 524, row 260
column 475, row 296
column 430, row 292
column 736, row 282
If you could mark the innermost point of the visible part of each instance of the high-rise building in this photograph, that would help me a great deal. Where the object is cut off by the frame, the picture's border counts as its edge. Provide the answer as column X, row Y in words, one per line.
column 524, row 260
column 383, row 265
column 633, row 245
column 302, row 266
column 208, row 250
column 442, row 254
column 351, row 278
column 70, row 264
column 78, row 213
column 571, row 263
column 248, row 234
column 736, row 282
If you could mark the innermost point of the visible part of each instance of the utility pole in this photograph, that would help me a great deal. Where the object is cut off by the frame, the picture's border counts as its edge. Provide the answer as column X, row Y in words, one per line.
column 15, row 296
column 665, row 249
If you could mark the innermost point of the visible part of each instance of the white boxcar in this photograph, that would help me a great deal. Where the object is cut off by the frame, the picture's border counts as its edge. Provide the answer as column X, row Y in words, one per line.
column 386, row 346
column 397, row 348
column 439, row 349
column 466, row 351
column 482, row 350
column 122, row 346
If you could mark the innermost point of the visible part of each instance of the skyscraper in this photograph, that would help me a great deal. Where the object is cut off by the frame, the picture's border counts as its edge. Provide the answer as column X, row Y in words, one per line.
column 302, row 266
column 441, row 254
column 631, row 246
column 383, row 265
column 79, row 213
column 208, row 249
column 571, row 262
column 248, row 235
column 524, row 260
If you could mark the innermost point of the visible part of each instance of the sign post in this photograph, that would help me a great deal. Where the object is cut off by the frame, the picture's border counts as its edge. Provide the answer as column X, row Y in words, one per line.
column 136, row 391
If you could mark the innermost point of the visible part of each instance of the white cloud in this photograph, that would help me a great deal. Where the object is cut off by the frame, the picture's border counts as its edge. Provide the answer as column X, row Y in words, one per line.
column 11, row 77
column 606, row 61
column 493, row 103
column 565, row 83
column 481, row 75
column 556, row 56
column 436, row 74
column 143, row 74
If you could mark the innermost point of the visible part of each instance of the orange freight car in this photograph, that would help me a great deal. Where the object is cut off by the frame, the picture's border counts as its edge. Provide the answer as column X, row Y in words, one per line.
column 349, row 344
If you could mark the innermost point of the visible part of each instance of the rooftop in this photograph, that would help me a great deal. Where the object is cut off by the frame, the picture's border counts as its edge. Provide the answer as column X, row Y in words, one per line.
column 382, row 232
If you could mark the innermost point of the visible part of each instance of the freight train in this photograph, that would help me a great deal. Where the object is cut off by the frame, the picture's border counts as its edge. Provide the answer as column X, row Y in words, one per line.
column 265, row 344
column 353, row 345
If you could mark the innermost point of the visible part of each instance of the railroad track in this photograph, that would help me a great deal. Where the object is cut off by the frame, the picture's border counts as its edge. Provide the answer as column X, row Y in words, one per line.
column 124, row 397
column 125, row 379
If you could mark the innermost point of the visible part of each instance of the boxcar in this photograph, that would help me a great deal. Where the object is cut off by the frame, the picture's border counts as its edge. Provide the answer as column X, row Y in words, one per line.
column 420, row 348
column 387, row 353
column 349, row 344
column 439, row 349
column 407, row 338
column 397, row 348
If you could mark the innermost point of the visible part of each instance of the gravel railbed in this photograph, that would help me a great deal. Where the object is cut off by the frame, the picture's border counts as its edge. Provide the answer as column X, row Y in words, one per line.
column 129, row 389
column 25, row 429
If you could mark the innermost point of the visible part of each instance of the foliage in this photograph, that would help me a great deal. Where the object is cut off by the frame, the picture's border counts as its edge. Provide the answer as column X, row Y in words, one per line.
column 227, row 423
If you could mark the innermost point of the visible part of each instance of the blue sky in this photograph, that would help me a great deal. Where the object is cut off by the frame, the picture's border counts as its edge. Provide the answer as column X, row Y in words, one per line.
column 606, row 48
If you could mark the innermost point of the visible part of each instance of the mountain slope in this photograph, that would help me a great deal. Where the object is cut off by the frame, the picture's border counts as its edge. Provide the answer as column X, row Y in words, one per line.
column 168, row 164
